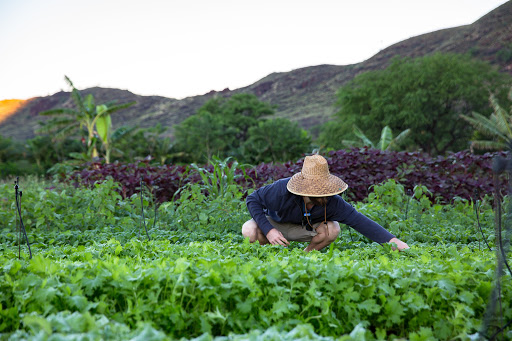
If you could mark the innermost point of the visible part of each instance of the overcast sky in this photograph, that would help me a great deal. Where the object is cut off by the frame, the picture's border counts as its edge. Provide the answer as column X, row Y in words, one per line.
column 184, row 48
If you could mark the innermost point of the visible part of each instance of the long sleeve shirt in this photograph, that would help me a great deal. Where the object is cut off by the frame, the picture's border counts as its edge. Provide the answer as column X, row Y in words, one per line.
column 283, row 206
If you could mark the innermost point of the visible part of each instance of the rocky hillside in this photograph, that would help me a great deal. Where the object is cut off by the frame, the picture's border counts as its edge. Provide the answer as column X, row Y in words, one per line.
column 305, row 95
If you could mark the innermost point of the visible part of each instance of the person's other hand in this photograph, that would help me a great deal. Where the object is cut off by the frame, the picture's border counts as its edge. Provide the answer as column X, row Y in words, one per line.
column 275, row 237
column 400, row 244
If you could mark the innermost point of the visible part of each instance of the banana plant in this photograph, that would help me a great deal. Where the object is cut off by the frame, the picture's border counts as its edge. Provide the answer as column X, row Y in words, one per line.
column 88, row 115
column 104, row 128
column 386, row 142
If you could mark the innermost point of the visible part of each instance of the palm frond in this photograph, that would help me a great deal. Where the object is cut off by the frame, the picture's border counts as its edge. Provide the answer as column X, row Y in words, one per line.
column 70, row 83
column 61, row 111
column 57, row 132
column 501, row 117
column 76, row 96
column 62, row 120
column 59, row 122
column 66, row 131
column 117, row 107
column 55, row 125
column 122, row 132
column 111, row 103
column 484, row 125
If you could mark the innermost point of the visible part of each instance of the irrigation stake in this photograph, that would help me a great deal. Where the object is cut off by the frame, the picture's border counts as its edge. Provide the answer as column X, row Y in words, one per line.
column 409, row 194
column 477, row 206
column 156, row 209
column 18, row 195
column 18, row 229
column 142, row 209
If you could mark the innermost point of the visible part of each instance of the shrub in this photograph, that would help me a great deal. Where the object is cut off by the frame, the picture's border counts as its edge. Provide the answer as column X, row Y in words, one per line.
column 458, row 174
column 162, row 181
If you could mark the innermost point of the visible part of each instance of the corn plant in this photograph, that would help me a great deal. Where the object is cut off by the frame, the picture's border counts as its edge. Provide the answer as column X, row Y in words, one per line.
column 220, row 177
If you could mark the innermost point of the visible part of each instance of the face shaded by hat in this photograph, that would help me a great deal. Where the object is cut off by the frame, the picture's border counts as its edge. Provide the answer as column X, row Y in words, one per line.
column 315, row 180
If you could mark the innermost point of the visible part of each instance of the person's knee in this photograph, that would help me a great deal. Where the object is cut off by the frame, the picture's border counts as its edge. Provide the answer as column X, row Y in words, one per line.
column 333, row 228
column 250, row 230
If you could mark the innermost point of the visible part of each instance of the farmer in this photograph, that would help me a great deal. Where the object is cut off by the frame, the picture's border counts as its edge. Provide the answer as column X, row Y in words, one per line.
column 307, row 208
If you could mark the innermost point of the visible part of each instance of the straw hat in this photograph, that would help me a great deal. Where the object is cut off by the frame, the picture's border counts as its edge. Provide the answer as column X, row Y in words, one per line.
column 315, row 180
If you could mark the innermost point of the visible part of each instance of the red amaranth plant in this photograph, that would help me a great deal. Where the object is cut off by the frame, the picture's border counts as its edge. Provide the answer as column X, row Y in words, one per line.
column 455, row 175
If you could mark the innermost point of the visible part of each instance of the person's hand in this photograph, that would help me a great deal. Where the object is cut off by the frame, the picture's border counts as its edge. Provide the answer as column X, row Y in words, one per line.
column 275, row 237
column 400, row 244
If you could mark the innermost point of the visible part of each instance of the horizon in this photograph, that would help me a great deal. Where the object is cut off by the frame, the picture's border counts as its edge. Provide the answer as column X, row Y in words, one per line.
column 160, row 49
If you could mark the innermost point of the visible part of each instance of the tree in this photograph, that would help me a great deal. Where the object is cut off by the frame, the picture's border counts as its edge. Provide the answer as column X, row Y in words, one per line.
column 276, row 140
column 219, row 127
column 9, row 150
column 243, row 111
column 498, row 126
column 41, row 150
column 131, row 143
column 46, row 153
column 386, row 141
column 425, row 94
column 201, row 136
column 68, row 122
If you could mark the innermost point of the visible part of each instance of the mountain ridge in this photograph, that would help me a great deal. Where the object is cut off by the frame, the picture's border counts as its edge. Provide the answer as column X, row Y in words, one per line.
column 306, row 95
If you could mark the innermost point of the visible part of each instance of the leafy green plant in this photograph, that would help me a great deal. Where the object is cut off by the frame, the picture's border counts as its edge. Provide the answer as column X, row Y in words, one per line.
column 221, row 287
column 386, row 141
column 104, row 129
column 219, row 128
column 504, row 55
column 92, row 277
column 263, row 146
column 498, row 126
column 70, row 121
column 222, row 176
column 216, row 200
column 425, row 94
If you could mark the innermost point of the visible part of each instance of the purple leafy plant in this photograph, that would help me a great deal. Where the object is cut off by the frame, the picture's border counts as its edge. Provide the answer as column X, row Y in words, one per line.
column 458, row 174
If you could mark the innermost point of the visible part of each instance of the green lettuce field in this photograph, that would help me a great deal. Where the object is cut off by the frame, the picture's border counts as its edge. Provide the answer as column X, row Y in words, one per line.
column 94, row 274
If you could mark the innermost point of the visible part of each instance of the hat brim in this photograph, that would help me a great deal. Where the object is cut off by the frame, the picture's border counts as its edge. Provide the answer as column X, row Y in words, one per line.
column 318, row 187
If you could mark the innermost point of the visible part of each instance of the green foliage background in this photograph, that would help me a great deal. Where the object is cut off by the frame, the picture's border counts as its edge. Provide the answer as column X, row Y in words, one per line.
column 239, row 127
column 425, row 94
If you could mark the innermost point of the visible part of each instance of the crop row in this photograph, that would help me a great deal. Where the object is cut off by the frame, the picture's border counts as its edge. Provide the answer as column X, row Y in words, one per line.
column 80, row 213
column 222, row 287
column 94, row 274
column 459, row 174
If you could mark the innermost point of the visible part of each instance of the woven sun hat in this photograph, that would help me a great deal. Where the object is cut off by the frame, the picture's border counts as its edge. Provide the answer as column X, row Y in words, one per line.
column 315, row 180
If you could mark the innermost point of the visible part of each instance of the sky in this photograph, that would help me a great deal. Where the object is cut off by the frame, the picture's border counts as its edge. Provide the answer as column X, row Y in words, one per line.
column 182, row 48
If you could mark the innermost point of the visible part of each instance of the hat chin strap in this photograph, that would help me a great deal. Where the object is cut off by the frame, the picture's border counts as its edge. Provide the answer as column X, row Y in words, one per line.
column 307, row 214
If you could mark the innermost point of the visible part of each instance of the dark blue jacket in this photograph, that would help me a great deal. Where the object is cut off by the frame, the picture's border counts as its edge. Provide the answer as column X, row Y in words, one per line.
column 283, row 206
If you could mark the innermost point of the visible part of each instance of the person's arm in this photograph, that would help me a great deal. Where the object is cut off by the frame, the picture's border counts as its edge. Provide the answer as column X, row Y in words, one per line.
column 267, row 197
column 368, row 227
column 348, row 215
column 255, row 205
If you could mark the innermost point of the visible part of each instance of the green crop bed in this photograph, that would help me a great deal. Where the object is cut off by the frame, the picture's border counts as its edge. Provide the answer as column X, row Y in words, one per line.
column 197, row 278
